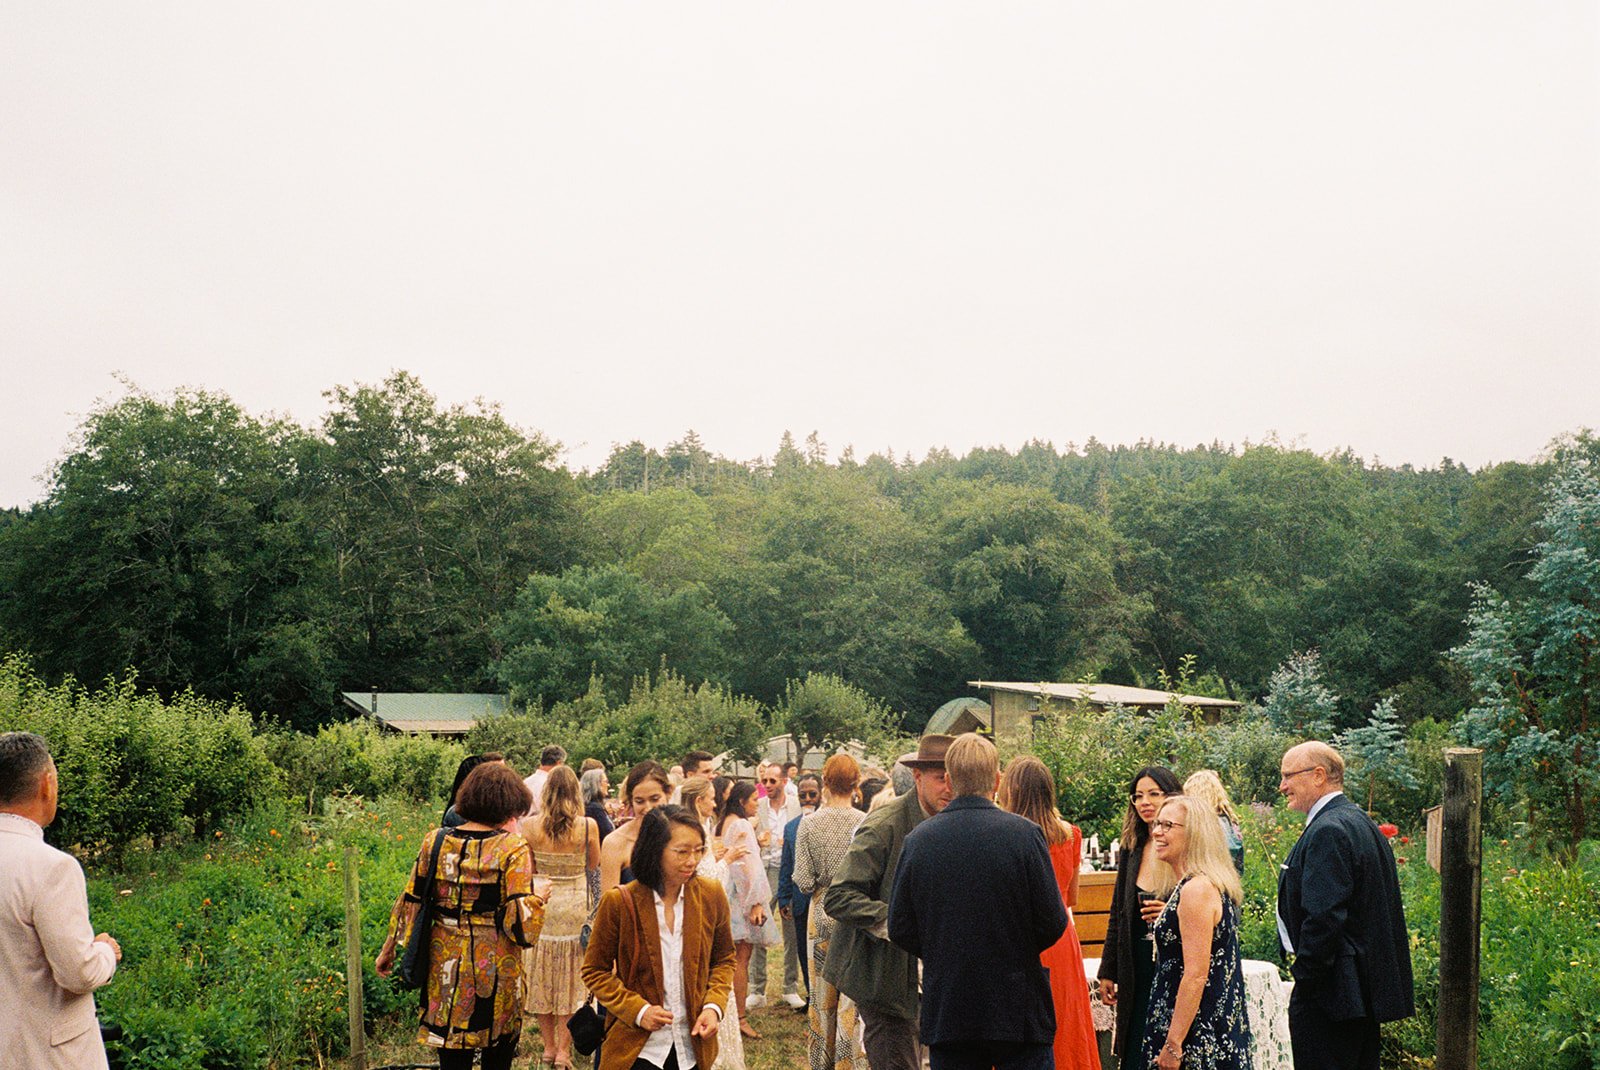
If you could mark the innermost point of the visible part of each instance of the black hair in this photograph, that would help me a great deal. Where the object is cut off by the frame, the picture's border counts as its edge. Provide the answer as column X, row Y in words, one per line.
column 720, row 785
column 869, row 788
column 24, row 757
column 733, row 805
column 468, row 764
column 1134, row 831
column 655, row 833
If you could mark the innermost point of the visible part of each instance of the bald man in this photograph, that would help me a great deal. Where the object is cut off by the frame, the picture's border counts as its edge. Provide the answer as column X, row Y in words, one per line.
column 1340, row 918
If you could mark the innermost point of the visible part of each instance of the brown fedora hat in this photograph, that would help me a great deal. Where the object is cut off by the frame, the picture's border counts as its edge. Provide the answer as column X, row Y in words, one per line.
column 929, row 753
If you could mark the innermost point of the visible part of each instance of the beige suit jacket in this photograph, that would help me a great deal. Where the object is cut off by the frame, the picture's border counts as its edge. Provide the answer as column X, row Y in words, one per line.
column 49, row 960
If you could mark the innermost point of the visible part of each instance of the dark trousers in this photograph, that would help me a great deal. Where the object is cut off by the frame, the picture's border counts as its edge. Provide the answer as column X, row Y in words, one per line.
column 1319, row 1043
column 891, row 1041
column 495, row 1057
column 983, row 1054
column 802, row 914
column 670, row 1064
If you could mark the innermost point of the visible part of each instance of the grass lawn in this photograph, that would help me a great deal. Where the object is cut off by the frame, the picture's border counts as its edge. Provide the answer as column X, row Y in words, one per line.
column 782, row 1045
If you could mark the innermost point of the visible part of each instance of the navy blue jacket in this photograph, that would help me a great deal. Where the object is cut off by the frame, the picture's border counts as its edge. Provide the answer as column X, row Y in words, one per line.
column 976, row 899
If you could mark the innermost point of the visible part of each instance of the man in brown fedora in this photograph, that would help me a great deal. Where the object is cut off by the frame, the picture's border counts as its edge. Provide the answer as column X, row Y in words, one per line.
column 861, row 962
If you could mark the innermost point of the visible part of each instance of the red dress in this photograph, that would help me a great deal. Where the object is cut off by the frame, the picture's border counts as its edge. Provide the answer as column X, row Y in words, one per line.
column 1075, row 1047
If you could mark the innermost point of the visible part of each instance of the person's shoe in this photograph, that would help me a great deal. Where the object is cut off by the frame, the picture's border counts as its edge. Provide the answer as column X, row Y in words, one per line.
column 754, row 1000
column 793, row 1000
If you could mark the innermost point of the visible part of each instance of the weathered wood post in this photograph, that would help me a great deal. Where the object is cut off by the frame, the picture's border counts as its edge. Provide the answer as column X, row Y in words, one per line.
column 1460, row 901
column 352, row 960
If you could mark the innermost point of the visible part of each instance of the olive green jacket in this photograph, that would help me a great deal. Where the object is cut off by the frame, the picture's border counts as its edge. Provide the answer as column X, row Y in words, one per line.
column 864, row 966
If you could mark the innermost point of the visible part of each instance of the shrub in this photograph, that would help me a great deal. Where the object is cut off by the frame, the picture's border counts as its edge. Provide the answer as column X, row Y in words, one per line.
column 359, row 758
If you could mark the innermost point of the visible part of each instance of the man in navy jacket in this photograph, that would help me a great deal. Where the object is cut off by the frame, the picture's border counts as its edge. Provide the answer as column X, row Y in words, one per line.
column 792, row 903
column 976, row 900
column 1340, row 916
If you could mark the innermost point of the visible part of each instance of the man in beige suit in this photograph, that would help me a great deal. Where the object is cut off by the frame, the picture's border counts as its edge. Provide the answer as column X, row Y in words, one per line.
column 51, row 961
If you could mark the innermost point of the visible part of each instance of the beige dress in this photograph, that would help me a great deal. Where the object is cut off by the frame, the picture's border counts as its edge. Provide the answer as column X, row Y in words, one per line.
column 555, row 966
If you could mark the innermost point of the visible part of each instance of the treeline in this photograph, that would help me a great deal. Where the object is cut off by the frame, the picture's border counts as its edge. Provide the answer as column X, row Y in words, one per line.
column 410, row 546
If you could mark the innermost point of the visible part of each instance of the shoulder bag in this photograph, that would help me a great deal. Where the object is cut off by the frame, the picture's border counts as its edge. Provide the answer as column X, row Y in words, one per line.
column 413, row 968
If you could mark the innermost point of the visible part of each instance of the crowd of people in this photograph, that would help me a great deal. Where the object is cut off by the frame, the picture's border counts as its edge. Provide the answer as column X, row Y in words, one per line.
column 926, row 911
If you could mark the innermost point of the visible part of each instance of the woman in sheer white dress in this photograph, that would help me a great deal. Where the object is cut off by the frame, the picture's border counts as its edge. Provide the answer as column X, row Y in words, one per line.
column 699, row 797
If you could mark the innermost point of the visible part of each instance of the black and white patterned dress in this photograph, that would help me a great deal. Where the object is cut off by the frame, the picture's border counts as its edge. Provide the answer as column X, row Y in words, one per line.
column 1219, row 1038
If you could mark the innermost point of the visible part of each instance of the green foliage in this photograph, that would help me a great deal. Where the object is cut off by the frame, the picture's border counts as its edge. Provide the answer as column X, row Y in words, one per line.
column 1298, row 701
column 823, row 711
column 565, row 632
column 134, row 767
column 1535, row 673
column 665, row 716
column 1376, row 753
column 359, row 758
column 233, row 948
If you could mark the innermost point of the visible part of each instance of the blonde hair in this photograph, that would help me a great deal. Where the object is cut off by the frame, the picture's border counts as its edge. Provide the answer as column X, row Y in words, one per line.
column 691, row 791
column 884, row 797
column 560, row 804
column 1028, row 790
column 972, row 764
column 1206, row 852
column 1206, row 786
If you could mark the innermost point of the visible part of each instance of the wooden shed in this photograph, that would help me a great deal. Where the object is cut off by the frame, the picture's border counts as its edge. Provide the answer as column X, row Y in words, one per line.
column 1013, row 707
column 425, row 713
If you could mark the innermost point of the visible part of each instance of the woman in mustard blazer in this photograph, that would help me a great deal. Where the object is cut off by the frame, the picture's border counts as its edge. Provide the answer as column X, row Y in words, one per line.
column 666, row 923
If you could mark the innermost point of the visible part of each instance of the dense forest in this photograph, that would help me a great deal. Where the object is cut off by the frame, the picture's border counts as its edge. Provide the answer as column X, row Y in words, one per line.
column 406, row 545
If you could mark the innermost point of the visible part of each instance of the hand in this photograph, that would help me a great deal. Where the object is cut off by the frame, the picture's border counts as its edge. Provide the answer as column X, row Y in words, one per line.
column 731, row 855
column 1168, row 1059
column 764, row 838
column 706, row 1025
column 786, row 912
column 105, row 938
column 654, row 1018
column 542, row 887
column 1151, row 909
column 758, row 914
column 383, row 966
column 1108, row 992
column 719, row 850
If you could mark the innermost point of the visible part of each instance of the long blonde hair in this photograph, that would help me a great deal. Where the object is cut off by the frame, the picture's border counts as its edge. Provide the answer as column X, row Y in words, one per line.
column 1206, row 854
column 1206, row 786
column 1028, row 790
column 560, row 804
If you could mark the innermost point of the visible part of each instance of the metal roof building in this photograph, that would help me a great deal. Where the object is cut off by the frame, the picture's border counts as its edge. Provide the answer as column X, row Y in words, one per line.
column 424, row 713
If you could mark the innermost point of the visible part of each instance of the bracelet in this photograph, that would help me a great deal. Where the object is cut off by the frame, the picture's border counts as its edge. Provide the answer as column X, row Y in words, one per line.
column 1173, row 1048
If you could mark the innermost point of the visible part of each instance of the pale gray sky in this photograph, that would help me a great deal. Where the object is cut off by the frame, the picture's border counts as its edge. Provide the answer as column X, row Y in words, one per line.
column 901, row 224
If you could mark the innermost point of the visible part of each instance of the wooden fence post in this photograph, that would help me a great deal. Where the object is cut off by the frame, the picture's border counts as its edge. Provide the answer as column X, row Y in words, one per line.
column 1460, row 903
column 352, row 960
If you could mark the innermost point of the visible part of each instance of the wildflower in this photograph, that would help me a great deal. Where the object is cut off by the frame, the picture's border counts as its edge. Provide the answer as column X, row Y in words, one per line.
column 273, row 833
column 205, row 902
column 1405, row 840
column 1388, row 830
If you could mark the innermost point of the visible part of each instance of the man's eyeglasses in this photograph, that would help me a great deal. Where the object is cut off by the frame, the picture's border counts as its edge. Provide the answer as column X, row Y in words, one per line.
column 1165, row 826
column 1297, row 772
column 769, row 783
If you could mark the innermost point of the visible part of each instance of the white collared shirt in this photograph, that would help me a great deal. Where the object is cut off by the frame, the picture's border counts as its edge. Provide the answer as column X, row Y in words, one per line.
column 1311, row 815
column 675, row 1036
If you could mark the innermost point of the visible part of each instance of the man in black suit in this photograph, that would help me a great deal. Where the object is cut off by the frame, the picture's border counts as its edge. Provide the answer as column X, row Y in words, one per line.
column 1340, row 917
column 976, row 900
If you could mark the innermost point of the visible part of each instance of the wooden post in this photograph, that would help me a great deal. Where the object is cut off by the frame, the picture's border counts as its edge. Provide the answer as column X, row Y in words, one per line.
column 352, row 960
column 1460, row 901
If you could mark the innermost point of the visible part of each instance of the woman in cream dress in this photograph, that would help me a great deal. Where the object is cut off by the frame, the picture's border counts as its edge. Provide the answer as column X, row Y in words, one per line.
column 699, row 798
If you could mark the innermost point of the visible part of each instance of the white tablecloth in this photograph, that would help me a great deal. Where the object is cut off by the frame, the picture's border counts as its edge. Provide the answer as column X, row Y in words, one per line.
column 1266, row 1002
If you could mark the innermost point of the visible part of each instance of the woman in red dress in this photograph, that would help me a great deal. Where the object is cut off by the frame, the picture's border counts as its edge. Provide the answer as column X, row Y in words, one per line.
column 1028, row 789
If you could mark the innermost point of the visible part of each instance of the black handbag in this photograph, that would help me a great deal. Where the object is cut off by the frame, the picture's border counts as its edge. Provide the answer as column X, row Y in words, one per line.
column 586, row 1028
column 413, row 969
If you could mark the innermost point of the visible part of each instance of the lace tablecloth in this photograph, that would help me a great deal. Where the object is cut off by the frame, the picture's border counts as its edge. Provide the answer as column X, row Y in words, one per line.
column 1266, row 999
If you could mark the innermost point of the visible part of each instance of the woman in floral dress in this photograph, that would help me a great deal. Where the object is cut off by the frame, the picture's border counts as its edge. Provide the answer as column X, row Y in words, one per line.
column 488, row 910
column 1197, row 1014
column 819, row 848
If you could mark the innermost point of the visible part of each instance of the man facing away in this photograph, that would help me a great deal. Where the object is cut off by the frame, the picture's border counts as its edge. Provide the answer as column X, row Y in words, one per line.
column 862, row 963
column 549, row 758
column 1340, row 916
column 976, row 899
column 51, row 961
column 793, row 905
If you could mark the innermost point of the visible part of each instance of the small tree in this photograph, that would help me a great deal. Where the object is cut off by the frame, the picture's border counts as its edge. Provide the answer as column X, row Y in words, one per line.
column 1377, row 751
column 1535, row 672
column 1298, row 702
column 824, row 711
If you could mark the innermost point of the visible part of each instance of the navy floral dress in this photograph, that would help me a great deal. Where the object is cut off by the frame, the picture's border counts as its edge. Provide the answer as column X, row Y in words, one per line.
column 1219, row 1038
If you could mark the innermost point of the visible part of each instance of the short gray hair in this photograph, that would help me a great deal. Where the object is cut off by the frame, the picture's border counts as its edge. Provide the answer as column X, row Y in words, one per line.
column 590, row 784
column 24, row 757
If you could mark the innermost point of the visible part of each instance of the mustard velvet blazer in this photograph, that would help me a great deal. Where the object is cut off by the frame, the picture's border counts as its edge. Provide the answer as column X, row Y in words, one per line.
column 623, row 964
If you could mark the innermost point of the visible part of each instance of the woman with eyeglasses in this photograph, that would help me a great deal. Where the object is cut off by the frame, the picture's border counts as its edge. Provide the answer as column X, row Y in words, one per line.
column 1127, row 963
column 661, row 957
column 1197, row 1016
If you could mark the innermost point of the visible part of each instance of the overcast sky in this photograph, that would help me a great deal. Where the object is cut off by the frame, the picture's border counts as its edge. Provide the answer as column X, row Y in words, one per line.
column 902, row 225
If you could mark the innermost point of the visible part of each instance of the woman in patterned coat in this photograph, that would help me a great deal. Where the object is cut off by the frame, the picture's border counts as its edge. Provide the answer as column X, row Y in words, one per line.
column 486, row 910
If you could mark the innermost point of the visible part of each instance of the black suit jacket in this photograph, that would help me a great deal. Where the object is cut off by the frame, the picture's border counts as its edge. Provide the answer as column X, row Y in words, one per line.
column 1339, row 897
column 976, row 900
